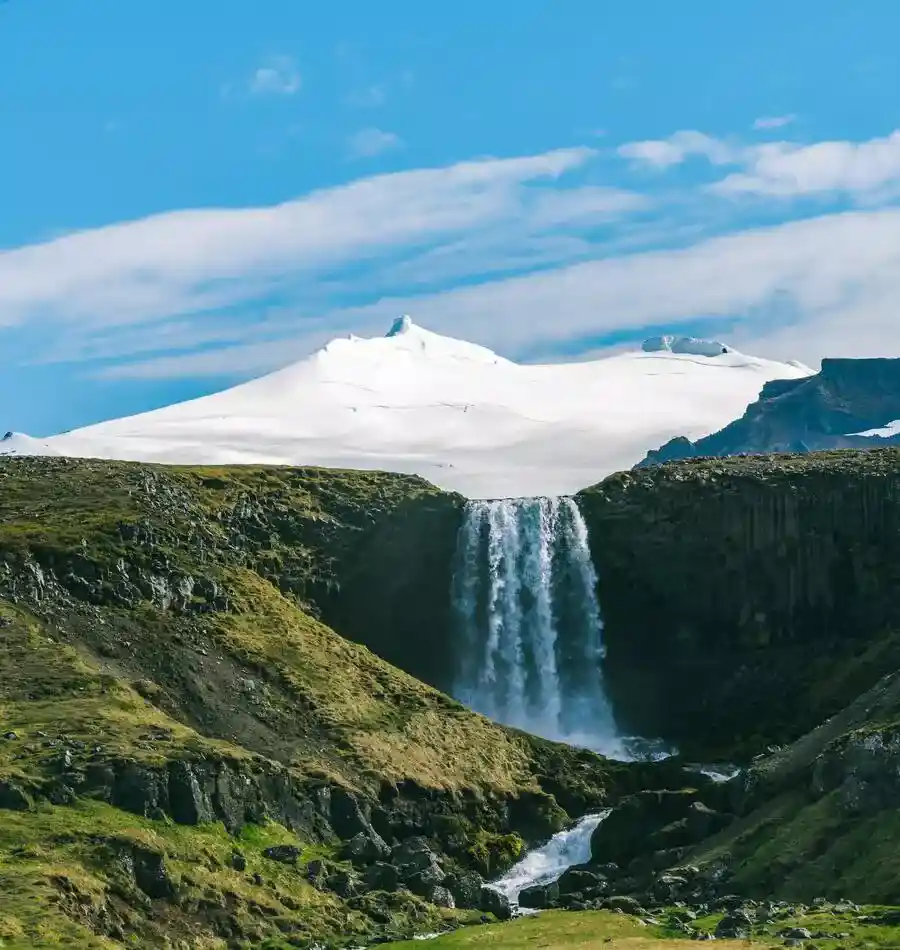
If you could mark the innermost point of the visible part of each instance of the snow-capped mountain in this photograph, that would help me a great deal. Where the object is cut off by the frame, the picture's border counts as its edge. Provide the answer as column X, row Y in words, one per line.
column 456, row 413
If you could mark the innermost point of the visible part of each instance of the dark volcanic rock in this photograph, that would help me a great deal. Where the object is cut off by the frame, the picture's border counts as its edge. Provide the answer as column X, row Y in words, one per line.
column 282, row 853
column 382, row 877
column 646, row 822
column 150, row 873
column 539, row 896
column 717, row 577
column 366, row 848
column 14, row 797
column 734, row 926
column 580, row 881
column 493, row 902
column 806, row 415
column 441, row 897
column 466, row 888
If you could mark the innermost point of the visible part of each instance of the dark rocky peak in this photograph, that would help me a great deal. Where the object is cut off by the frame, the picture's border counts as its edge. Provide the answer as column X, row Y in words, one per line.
column 814, row 413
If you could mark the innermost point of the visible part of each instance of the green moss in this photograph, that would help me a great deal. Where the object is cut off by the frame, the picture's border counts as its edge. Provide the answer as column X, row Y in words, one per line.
column 61, row 883
column 491, row 854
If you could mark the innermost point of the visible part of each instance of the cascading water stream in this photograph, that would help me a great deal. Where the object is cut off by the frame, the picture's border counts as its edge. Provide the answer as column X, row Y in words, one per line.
column 529, row 622
column 545, row 864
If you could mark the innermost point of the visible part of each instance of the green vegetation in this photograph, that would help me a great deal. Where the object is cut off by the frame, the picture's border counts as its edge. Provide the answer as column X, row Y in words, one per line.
column 866, row 928
column 66, row 881
column 556, row 929
column 170, row 693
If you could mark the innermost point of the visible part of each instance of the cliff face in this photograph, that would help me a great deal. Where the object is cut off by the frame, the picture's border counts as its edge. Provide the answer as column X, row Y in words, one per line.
column 747, row 598
column 805, row 415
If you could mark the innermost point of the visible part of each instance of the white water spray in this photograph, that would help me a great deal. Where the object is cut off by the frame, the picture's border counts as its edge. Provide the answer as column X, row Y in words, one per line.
column 529, row 622
column 544, row 865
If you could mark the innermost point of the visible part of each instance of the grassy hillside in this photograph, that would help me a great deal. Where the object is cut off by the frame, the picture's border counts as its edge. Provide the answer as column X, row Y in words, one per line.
column 561, row 930
column 170, row 697
column 819, row 817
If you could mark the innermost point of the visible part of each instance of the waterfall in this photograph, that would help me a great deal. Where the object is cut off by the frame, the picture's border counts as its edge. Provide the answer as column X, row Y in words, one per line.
column 545, row 864
column 529, row 625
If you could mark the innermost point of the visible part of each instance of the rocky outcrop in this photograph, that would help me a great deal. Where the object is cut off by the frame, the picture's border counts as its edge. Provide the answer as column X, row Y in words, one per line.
column 806, row 415
column 746, row 598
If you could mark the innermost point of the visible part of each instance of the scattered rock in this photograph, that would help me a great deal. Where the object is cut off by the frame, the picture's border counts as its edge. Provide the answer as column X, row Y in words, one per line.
column 493, row 902
column 539, row 896
column 238, row 861
column 796, row 933
column 466, row 889
column 282, row 853
column 150, row 874
column 366, row 848
column 628, row 905
column 382, row 877
column 734, row 926
column 13, row 797
column 441, row 897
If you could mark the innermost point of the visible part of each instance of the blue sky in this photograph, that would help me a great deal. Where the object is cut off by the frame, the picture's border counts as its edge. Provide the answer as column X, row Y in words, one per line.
column 195, row 193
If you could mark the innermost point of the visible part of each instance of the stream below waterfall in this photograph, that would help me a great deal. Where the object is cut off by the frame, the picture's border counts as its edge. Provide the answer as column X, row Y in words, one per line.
column 545, row 864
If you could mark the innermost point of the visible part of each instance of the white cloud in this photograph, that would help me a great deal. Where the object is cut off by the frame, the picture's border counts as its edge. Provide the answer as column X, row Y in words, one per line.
column 502, row 251
column 183, row 262
column 787, row 170
column 774, row 121
column 277, row 76
column 781, row 169
column 664, row 153
column 837, row 276
column 367, row 143
column 825, row 267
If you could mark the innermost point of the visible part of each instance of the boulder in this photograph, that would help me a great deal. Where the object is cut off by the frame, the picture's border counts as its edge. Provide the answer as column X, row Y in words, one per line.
column 796, row 933
column 14, row 797
column 58, row 793
column 366, row 848
column 658, row 815
column 423, row 882
column 345, row 884
column 539, row 896
column 150, row 874
column 382, row 877
column 417, row 865
column 493, row 902
column 415, row 853
column 628, row 905
column 579, row 880
column 466, row 889
column 282, row 853
column 734, row 926
column 669, row 887
column 441, row 897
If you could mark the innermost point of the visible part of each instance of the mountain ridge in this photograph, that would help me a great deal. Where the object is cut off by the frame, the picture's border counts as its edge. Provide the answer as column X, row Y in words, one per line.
column 849, row 404
column 453, row 412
